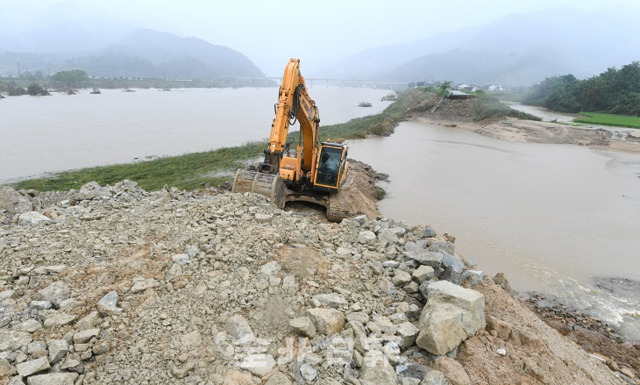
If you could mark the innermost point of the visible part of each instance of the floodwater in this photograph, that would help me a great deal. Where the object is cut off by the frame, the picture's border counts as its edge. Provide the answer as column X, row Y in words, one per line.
column 61, row 132
column 564, row 117
column 543, row 113
column 553, row 218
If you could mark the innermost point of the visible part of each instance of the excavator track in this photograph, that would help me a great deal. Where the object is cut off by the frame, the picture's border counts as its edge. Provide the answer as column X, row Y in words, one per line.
column 337, row 208
column 269, row 185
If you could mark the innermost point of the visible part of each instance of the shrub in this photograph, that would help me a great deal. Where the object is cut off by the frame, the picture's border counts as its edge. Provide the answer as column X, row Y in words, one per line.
column 36, row 89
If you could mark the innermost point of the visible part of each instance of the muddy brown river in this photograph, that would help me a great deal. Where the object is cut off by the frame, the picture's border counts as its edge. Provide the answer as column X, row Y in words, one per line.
column 62, row 132
column 554, row 218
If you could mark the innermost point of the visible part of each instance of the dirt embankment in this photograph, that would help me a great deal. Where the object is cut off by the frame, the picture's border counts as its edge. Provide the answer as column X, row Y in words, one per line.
column 460, row 113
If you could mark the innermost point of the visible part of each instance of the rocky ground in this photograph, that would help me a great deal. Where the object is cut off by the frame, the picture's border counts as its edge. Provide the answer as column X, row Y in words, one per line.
column 119, row 285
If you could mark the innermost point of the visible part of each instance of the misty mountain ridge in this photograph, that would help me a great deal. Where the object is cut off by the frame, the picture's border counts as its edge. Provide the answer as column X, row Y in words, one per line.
column 64, row 27
column 67, row 36
column 163, row 55
column 520, row 49
column 145, row 53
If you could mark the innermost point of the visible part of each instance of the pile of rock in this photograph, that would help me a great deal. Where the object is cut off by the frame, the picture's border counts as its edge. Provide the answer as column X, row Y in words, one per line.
column 119, row 285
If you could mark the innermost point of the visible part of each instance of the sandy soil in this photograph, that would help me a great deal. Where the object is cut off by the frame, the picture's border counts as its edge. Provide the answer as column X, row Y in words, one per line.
column 533, row 352
column 458, row 113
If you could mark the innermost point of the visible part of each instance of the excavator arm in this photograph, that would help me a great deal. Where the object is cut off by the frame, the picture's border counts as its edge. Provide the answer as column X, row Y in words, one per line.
column 294, row 103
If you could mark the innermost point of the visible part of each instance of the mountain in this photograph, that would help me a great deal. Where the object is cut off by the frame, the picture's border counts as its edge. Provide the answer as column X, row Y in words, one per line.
column 520, row 49
column 147, row 53
column 66, row 36
column 64, row 27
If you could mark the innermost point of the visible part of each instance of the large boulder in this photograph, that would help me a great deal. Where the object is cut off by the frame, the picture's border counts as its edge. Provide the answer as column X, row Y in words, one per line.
column 238, row 328
column 89, row 191
column 331, row 300
column 55, row 293
column 28, row 368
column 327, row 321
column 58, row 349
column 303, row 326
column 426, row 257
column 13, row 340
column 377, row 369
column 451, row 315
column 258, row 364
column 108, row 305
column 32, row 217
column 14, row 202
column 53, row 379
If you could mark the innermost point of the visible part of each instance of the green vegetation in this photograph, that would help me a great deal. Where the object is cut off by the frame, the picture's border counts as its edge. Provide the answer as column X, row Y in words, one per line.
column 613, row 91
column 74, row 79
column 184, row 171
column 390, row 97
column 36, row 89
column 215, row 167
column 443, row 89
column 69, row 79
column 609, row 119
column 15, row 91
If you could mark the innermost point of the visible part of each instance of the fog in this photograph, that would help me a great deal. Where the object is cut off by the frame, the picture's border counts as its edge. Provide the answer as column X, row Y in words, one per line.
column 268, row 33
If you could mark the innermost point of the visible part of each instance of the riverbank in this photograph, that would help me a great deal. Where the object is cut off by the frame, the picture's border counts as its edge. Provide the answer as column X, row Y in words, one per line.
column 517, row 130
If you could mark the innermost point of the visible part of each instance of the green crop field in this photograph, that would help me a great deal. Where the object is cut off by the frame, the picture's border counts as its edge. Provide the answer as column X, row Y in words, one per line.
column 609, row 119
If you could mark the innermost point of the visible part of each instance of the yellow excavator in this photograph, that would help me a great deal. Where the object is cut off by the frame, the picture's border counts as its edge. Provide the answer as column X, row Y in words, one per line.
column 314, row 171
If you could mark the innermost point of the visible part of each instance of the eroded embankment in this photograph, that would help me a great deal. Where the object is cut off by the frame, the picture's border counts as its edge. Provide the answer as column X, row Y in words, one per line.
column 463, row 114
column 119, row 285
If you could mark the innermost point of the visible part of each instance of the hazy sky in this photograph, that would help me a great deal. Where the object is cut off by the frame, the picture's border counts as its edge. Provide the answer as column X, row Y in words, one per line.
column 319, row 32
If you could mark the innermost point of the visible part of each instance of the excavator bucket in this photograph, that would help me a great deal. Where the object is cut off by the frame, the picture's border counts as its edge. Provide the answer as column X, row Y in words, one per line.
column 269, row 185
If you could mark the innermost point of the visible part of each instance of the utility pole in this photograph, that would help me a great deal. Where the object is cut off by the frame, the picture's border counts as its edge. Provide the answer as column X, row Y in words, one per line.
column 19, row 74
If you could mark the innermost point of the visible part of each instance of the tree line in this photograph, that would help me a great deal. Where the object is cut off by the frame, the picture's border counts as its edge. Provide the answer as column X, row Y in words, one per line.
column 66, row 80
column 613, row 91
column 39, row 84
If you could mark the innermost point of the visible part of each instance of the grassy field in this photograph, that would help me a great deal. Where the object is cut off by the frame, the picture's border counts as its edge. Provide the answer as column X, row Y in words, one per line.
column 609, row 119
column 213, row 168
column 490, row 108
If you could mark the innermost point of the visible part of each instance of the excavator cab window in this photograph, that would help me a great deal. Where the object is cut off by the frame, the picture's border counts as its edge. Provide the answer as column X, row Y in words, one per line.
column 329, row 166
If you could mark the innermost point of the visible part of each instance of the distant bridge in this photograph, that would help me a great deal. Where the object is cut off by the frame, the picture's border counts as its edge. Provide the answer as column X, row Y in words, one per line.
column 328, row 82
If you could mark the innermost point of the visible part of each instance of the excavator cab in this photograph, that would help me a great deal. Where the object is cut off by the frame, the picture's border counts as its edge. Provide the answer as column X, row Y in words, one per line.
column 331, row 166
